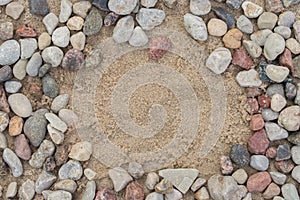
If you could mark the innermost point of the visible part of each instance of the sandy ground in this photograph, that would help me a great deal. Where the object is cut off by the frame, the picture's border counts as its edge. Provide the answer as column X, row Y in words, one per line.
column 236, row 124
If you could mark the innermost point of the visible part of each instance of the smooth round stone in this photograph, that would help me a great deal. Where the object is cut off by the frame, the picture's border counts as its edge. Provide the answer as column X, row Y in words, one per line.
column 20, row 105
column 148, row 3
column 73, row 60
column 293, row 45
column 295, row 151
column 259, row 162
column 123, row 29
column 284, row 31
column 66, row 185
column 269, row 115
column 14, row 10
column 260, row 37
column 81, row 151
column 287, row 19
column 289, row 118
column 61, row 36
column 200, row 7
column 3, row 141
column 68, row 116
column 274, row 46
column 244, row 24
column 90, row 190
column 216, row 27
column 232, row 39
column 195, row 26
column 271, row 191
column 138, row 37
column 22, row 148
column 53, row 55
column 50, row 21
column 4, row 2
column 56, row 122
column 296, row 27
column 81, row 8
column 219, row 60
column 34, row 64
column 252, row 48
column 289, row 192
column 5, row 73
column 278, row 102
column 275, row 132
column 248, row 78
column 267, row 20
column 6, row 30
column 258, row 182
column 277, row 73
column 60, row 102
column 75, row 23
column 252, row 10
column 9, row 52
column 45, row 150
column 44, row 41
column 278, row 177
column 65, row 11
column 71, row 170
column 28, row 47
column 122, row 7
column 14, row 163
column 26, row 190
column 240, row 176
column 93, row 23
column 12, row 190
column 150, row 18
column 15, row 126
column 12, row 86
column 78, row 41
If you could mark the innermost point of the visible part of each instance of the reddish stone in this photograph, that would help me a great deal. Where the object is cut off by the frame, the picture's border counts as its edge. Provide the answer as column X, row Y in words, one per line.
column 73, row 60
column 226, row 165
column 272, row 191
column 26, row 31
column 284, row 166
column 49, row 164
column 3, row 100
column 134, row 191
column 22, row 148
column 252, row 106
column 274, row 6
column 241, row 59
column 105, row 194
column 264, row 101
column 286, row 59
column 258, row 182
column 271, row 152
column 253, row 92
column 258, row 142
column 257, row 122
column 158, row 47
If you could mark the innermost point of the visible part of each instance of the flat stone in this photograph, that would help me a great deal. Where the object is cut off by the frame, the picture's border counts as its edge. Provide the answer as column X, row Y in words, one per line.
column 259, row 162
column 65, row 11
column 9, row 52
column 244, row 24
column 289, row 192
column 122, row 7
column 13, row 162
column 248, row 78
column 45, row 150
column 66, row 185
column 278, row 177
column 119, row 177
column 251, row 10
column 289, row 118
column 50, row 21
column 71, row 170
column 216, row 27
column 44, row 182
column 52, row 55
column 61, row 36
column 14, row 10
column 219, row 60
column 26, row 190
column 150, row 18
column 284, row 31
column 93, row 23
column 274, row 46
column 200, row 7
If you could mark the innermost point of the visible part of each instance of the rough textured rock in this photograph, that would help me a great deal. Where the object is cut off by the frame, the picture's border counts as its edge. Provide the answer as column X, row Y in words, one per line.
column 119, row 177
column 45, row 150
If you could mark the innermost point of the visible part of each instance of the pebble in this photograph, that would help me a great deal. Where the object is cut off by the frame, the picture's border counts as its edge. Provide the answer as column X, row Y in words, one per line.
column 258, row 182
column 164, row 187
column 26, row 190
column 170, row 3
column 44, row 182
column 289, row 192
column 22, row 148
column 148, row 3
column 78, row 41
column 50, row 86
column 68, row 116
column 275, row 6
column 248, row 78
column 75, row 23
column 135, row 170
column 296, row 173
column 232, row 39
column 61, row 36
column 283, row 152
column 4, row 120
column 6, row 31
column 122, row 7
column 3, row 141
column 260, row 37
column 138, row 37
column 200, row 7
column 277, row 73
column 12, row 86
column 60, row 102
column 9, row 52
column 60, row 194
column 269, row 115
column 290, row 91
column 49, row 164
column 240, row 176
column 284, row 31
column 241, row 59
column 258, row 142
column 285, row 166
column 289, row 118
column 294, row 138
column 174, row 195
column 199, row 182
column 56, row 136
column 271, row 191
column 90, row 191
column 159, row 46
column 13, row 162
column 275, row 132
column 149, row 18
column 252, row 48
column 45, row 150
column 264, row 101
column 296, row 27
column 296, row 62
column 275, row 89
column 5, row 73
column 50, row 21
column 56, row 122
column 202, row 194
column 239, row 155
column 259, row 162
column 81, row 151
column 34, row 64
column 274, row 46
column 119, row 177
column 222, row 187
column 71, row 170
column 287, row 19
column 278, row 102
column 267, row 20
column 52, row 55
column 35, row 127
column 39, row 7
column 219, row 60
column 65, row 11
column 135, row 191
column 106, row 194
column 44, row 41
column 244, row 24
column 12, row 190
column 154, row 196
column 225, row 16
column 234, row 4
column 101, row 4
column 67, row 185
column 295, row 151
column 4, row 2
column 111, row 19
column 90, row 174
column 14, row 10
column 286, row 60
column 123, row 29
column 271, row 152
column 226, row 165
column 20, row 105
column 216, row 27
column 61, row 155
column 93, row 23
column 26, row 32
column 256, row 122
column 73, row 60
column 251, row 10
column 152, row 180
column 278, row 177
column 81, row 8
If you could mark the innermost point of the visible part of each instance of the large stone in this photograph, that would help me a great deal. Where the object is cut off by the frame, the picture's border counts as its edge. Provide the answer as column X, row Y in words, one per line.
column 274, row 46
column 20, row 105
column 289, row 192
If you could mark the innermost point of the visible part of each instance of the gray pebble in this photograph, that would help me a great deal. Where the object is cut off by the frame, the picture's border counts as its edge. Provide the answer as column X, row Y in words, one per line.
column 154, row 196
column 278, row 177
column 200, row 7
column 81, row 8
column 81, row 151
column 14, row 10
column 50, row 86
column 6, row 31
column 135, row 170
column 26, row 191
column 14, row 163
column 269, row 115
column 259, row 162
column 52, row 55
column 44, row 182
column 234, row 4
column 289, row 118
column 148, row 3
column 275, row 132
column 274, row 46
column 248, row 78
column 252, row 10
column 60, row 194
column 28, row 47
column 3, row 141
column 219, row 60
column 275, row 89
column 50, row 21
column 289, row 192
column 12, row 189
column 4, row 2
column 60, row 102
column 150, row 18
column 138, row 37
column 56, row 122
column 66, row 185
column 4, row 120
column 195, row 26
column 12, row 86
column 252, row 48
column 78, row 41
column 90, row 174
column 295, row 151
column 284, row 31
column 90, row 190
column 5, row 73
column 56, row 136
column 278, row 102
column 152, row 180
column 9, row 52
column 65, row 11
column 20, row 105
column 267, row 20
column 71, row 170
column 119, row 177
column 174, row 195
column 287, row 19
column 296, row 27
column 260, row 37
column 39, row 7
column 122, row 7
column 44, row 70
column 61, row 36
column 93, row 23
column 45, row 150
column 123, row 29
column 244, row 24
column 34, row 64
column 283, row 152
column 19, row 70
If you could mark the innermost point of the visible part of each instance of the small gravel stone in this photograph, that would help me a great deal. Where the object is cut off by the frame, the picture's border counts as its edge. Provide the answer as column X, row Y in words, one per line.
column 170, row 3
column 50, row 86
column 284, row 31
column 260, row 37
column 45, row 150
column 287, row 19
column 275, row 6
column 154, row 196
column 34, row 64
column 22, row 148
column 277, row 73
column 50, row 21
column 244, row 24
column 75, row 23
column 232, row 39
column 20, row 105
column 152, row 180
column 49, row 164
column 135, row 170
column 274, row 46
column 216, row 27
column 122, row 7
column 295, row 151
column 13, row 162
column 202, row 194
column 71, row 170
column 290, row 91
column 200, row 7
column 258, row 142
column 284, row 166
column 271, row 152
column 267, row 20
column 81, row 8
column 219, row 60
column 26, row 190
column 56, row 122
column 93, row 23
column 248, row 78
column 119, row 177
column 241, row 59
column 3, row 141
column 44, row 41
column 269, row 115
column 81, row 151
column 226, row 165
column 60, row 102
column 78, row 41
column 68, row 116
column 5, row 73
column 258, row 182
column 239, row 155
column 283, row 152
column 138, row 37
column 12, row 189
column 278, row 177
column 26, row 31
column 56, row 136
column 275, row 132
column 174, row 195
column 259, row 162
column 275, row 89
column 198, row 184
column 296, row 27
column 6, row 30
column 65, row 11
column 149, row 18
column 9, row 52
column 53, row 55
column 4, row 120
column 164, row 187
column 296, row 173
column 278, row 102
column 12, row 86
column 60, row 194
column 14, row 10
column 264, row 101
column 44, row 70
column 195, row 26
column 286, row 59
column 251, row 10
column 90, row 191
column 225, row 15
column 159, row 46
column 271, row 191
column 289, row 192
column 289, row 118
column 67, row 185
column 61, row 36
column 44, row 182
column 256, row 122
column 39, row 7
column 90, row 174
column 240, row 176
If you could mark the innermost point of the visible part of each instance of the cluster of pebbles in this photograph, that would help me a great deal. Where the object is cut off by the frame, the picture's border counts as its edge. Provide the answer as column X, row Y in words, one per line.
column 267, row 54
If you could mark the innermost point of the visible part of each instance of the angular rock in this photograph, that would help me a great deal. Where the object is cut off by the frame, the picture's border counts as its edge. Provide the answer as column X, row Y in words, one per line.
column 119, row 177
column 44, row 182
column 45, row 150
column 71, row 170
